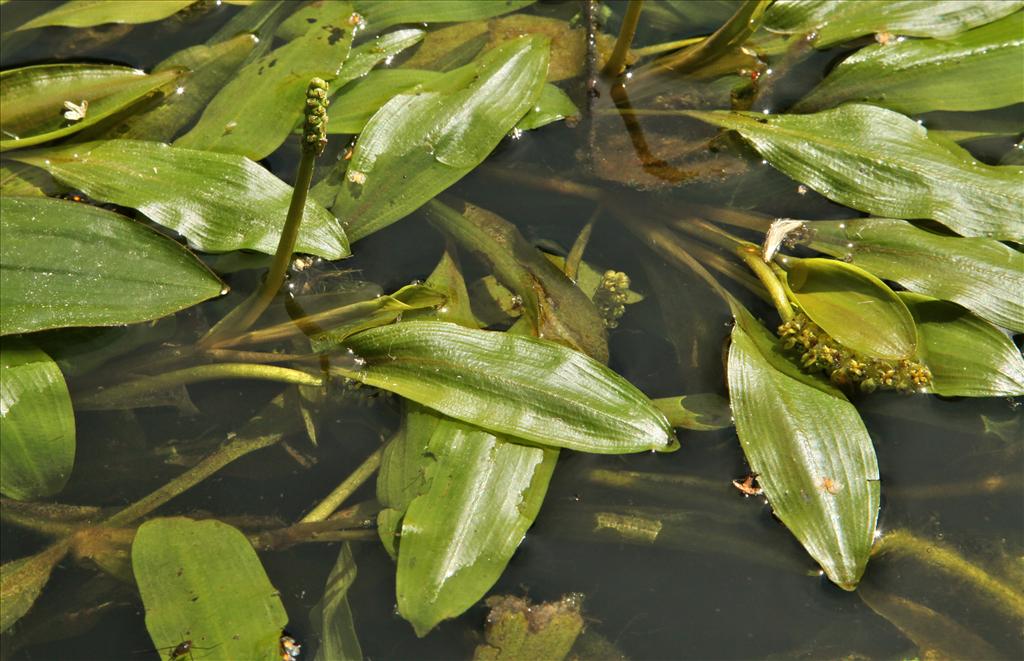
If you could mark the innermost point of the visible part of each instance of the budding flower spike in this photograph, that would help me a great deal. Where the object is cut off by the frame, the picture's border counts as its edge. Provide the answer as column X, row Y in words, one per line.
column 314, row 130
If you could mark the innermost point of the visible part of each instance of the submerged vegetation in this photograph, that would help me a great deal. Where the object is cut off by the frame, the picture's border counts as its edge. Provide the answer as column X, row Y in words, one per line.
column 565, row 200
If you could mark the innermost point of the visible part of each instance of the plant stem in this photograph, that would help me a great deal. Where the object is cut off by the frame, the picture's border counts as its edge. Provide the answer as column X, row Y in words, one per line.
column 752, row 258
column 335, row 499
column 667, row 46
column 314, row 138
column 945, row 559
column 125, row 392
column 617, row 61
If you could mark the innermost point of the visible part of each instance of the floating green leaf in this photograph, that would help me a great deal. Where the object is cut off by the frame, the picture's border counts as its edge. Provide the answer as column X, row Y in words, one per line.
column 202, row 581
column 523, row 387
column 360, row 99
column 403, row 474
column 34, row 98
column 552, row 106
column 332, row 615
column 701, row 412
column 968, row 356
column 209, row 69
column 70, row 264
column 556, row 307
column 420, row 143
column 810, row 452
column 23, row 579
column 37, row 424
column 835, row 21
column 219, row 202
column 482, row 495
column 382, row 14
column 884, row 163
column 857, row 309
column 254, row 113
column 977, row 70
column 982, row 275
column 369, row 54
column 86, row 13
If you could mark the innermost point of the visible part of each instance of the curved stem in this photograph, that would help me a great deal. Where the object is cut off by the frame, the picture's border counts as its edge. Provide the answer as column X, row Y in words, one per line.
column 334, row 500
column 115, row 395
column 945, row 559
column 617, row 61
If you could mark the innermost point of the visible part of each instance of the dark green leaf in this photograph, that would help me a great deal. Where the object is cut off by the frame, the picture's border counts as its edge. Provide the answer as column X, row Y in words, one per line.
column 857, row 309
column 377, row 312
column 209, row 68
column 835, row 21
column 219, row 202
column 418, row 144
column 460, row 533
column 382, row 14
column 520, row 386
column 202, row 581
column 37, row 425
column 333, row 615
column 556, row 307
column 977, row 70
column 70, row 264
column 86, row 13
column 254, row 113
column 982, row 275
column 34, row 98
column 967, row 356
column 810, row 452
column 23, row 579
column 884, row 163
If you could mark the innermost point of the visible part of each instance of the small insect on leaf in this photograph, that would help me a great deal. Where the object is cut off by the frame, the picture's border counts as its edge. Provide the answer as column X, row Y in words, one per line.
column 75, row 112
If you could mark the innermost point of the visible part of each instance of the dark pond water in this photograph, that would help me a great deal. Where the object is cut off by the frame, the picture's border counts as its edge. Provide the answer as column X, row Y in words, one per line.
column 721, row 579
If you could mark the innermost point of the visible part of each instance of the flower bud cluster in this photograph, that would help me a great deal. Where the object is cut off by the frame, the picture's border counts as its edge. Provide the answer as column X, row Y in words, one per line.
column 611, row 296
column 315, row 129
column 820, row 353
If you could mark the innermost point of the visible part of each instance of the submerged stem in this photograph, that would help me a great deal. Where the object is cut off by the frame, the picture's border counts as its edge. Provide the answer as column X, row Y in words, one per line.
column 334, row 500
column 617, row 61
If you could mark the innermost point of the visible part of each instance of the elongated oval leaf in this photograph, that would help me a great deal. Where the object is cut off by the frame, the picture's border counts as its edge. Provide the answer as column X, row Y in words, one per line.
column 34, row 98
column 254, row 113
column 202, row 581
column 382, row 14
column 982, row 275
column 23, row 579
column 977, row 70
column 209, row 69
column 219, row 202
column 69, row 264
column 810, row 451
column 835, row 21
column 364, row 57
column 359, row 100
column 37, row 425
column 854, row 307
column 458, row 536
column 507, row 384
column 968, row 356
column 86, row 13
column 420, row 143
column 884, row 163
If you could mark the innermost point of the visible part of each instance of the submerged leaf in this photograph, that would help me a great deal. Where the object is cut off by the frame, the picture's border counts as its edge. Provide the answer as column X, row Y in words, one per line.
column 977, row 70
column 219, row 202
column 69, row 264
column 884, row 163
column 526, row 388
column 857, row 309
column 420, row 143
column 458, row 535
column 86, row 13
column 982, row 275
column 254, row 113
column 202, row 581
column 23, row 579
column 34, row 98
column 332, row 615
column 517, row 629
column 968, row 356
column 835, row 21
column 37, row 424
column 810, row 452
